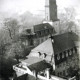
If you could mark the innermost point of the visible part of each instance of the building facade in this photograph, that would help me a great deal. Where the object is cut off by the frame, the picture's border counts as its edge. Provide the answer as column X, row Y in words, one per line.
column 26, row 37
column 37, row 68
column 42, row 32
column 38, row 34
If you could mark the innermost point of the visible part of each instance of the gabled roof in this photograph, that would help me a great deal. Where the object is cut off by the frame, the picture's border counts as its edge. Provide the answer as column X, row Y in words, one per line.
column 45, row 47
column 42, row 26
column 61, row 43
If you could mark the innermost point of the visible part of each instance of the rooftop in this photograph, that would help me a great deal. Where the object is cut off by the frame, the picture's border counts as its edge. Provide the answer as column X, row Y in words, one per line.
column 42, row 26
column 39, row 66
column 32, row 60
column 61, row 43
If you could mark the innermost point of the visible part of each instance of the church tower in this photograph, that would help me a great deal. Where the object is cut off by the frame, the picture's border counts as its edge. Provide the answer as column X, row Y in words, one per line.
column 51, row 15
column 50, row 10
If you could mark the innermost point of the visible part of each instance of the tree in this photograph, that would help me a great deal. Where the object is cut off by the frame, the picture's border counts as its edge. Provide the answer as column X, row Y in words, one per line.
column 73, row 72
column 2, row 48
column 3, row 42
column 12, row 27
column 6, row 69
column 67, row 19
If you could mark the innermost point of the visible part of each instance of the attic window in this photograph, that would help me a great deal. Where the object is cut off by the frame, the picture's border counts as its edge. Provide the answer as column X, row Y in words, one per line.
column 39, row 53
column 70, row 52
column 45, row 55
column 63, row 55
column 73, row 50
column 66, row 53
column 58, row 57
column 45, row 27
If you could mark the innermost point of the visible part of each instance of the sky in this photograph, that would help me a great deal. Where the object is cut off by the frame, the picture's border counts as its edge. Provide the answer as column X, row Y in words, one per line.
column 34, row 6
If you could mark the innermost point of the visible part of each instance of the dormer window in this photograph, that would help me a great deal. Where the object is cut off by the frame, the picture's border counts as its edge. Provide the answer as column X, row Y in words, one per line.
column 66, row 53
column 58, row 57
column 73, row 51
column 45, row 27
column 63, row 55
column 39, row 33
column 70, row 52
column 44, row 55
column 39, row 53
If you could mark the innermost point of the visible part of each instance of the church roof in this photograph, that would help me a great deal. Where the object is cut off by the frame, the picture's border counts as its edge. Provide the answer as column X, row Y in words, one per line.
column 61, row 43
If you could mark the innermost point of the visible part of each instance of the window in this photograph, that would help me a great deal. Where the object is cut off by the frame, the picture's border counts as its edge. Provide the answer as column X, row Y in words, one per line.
column 51, row 31
column 58, row 57
column 70, row 52
column 42, row 40
column 57, row 66
column 63, row 55
column 44, row 55
column 39, row 53
column 60, row 73
column 64, row 72
column 39, row 33
column 42, row 32
column 66, row 53
column 73, row 51
column 56, row 24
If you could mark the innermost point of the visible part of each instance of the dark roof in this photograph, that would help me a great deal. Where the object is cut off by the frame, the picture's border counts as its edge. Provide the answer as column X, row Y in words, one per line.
column 61, row 43
column 42, row 26
column 39, row 66
column 64, row 42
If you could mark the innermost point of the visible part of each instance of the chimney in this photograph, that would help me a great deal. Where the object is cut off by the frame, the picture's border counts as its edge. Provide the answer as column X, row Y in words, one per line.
column 39, row 54
column 44, row 55
column 34, row 73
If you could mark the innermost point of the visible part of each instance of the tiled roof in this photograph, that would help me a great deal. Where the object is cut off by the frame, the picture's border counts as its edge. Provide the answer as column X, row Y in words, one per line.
column 61, row 43
column 39, row 66
column 42, row 26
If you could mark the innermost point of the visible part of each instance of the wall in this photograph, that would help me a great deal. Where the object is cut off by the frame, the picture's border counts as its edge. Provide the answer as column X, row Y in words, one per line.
column 62, row 68
column 22, row 70
column 39, row 40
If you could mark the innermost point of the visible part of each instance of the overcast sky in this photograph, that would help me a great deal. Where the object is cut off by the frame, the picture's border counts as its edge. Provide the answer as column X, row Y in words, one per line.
column 34, row 6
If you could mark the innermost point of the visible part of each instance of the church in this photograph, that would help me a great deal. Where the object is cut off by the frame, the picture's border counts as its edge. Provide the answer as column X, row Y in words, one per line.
column 60, row 51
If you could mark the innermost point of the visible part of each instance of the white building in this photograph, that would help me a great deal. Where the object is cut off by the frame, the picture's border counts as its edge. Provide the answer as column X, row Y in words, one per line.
column 35, row 67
